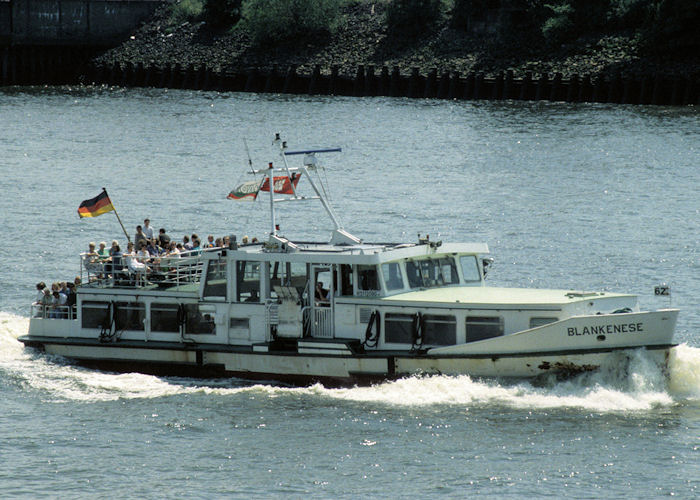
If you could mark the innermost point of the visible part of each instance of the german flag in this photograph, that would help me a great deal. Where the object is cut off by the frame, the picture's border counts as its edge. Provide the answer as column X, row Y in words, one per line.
column 100, row 204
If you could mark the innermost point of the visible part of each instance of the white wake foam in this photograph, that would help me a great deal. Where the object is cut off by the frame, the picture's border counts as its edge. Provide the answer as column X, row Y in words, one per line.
column 641, row 387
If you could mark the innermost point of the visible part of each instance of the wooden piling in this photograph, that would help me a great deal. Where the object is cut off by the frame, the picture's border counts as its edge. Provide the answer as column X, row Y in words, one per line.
column 395, row 85
column 430, row 90
column 358, row 85
column 290, row 80
column 370, row 81
column 415, row 85
column 555, row 91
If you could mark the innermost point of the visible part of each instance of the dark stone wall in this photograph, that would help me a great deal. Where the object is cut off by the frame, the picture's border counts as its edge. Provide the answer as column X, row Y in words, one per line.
column 71, row 22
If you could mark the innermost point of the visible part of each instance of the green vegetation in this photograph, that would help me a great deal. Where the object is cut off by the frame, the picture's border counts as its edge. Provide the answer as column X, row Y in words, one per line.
column 221, row 14
column 659, row 25
column 410, row 19
column 272, row 21
column 186, row 10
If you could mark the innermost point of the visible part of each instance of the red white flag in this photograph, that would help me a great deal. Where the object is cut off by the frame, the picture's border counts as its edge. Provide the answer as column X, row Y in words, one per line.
column 282, row 184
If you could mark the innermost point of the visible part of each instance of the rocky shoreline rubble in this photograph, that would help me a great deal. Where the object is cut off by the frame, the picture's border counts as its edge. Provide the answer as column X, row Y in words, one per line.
column 361, row 40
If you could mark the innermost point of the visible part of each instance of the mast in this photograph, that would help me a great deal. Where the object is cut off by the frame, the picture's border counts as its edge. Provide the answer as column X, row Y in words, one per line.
column 339, row 235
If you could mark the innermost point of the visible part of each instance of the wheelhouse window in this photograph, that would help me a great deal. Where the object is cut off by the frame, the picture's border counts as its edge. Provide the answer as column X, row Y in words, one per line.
column 367, row 278
column 199, row 319
column 129, row 316
column 287, row 274
column 95, row 314
column 439, row 329
column 215, row 285
column 248, row 281
column 392, row 276
column 345, row 279
column 398, row 328
column 470, row 268
column 164, row 318
column 428, row 273
column 483, row 327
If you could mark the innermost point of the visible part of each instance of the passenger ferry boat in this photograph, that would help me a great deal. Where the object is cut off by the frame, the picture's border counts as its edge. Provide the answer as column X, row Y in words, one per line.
column 343, row 311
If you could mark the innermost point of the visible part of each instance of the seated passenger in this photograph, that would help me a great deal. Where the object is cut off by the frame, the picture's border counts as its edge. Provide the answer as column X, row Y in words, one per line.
column 132, row 261
column 93, row 261
column 103, row 252
column 253, row 297
column 210, row 242
column 196, row 249
column 173, row 250
column 115, row 265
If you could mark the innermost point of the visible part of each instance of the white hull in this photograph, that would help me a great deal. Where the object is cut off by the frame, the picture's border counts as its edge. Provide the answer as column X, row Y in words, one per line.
column 345, row 368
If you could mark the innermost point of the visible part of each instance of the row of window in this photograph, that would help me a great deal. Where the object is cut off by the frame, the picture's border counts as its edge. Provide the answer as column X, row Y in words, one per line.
column 436, row 329
column 165, row 318
column 424, row 273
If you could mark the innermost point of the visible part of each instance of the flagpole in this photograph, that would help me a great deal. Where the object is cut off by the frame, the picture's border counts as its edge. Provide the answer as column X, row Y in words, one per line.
column 118, row 218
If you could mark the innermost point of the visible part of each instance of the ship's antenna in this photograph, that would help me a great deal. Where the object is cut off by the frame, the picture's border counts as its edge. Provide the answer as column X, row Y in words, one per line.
column 247, row 152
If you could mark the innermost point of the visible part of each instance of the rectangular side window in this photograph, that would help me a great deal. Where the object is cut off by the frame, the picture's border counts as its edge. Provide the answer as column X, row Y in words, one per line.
column 470, row 268
column 535, row 322
column 483, row 327
column 164, row 318
column 439, row 330
column 392, row 276
column 199, row 319
column 367, row 278
column 129, row 316
column 95, row 315
column 398, row 328
column 248, row 277
column 215, row 285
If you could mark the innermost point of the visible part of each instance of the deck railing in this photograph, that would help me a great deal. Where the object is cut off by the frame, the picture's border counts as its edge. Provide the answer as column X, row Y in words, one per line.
column 318, row 321
column 162, row 271
column 53, row 312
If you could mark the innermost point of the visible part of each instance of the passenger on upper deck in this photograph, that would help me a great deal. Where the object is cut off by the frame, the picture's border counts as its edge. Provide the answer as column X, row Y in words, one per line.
column 196, row 249
column 173, row 251
column 210, row 242
column 132, row 262
column 244, row 240
column 147, row 229
column 186, row 242
column 153, row 249
column 139, row 236
column 163, row 238
column 115, row 261
column 93, row 261
column 103, row 252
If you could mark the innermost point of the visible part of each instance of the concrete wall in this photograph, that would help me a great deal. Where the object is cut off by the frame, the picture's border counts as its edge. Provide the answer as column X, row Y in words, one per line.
column 71, row 22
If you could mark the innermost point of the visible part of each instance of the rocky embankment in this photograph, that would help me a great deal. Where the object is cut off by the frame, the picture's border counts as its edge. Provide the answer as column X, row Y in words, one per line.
column 361, row 39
